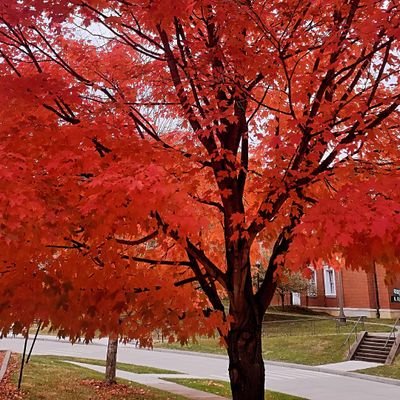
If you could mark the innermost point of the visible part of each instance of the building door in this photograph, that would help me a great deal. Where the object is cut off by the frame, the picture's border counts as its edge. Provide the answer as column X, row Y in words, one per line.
column 296, row 300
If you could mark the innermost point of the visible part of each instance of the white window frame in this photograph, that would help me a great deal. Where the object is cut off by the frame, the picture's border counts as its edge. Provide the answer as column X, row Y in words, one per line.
column 329, row 282
column 312, row 290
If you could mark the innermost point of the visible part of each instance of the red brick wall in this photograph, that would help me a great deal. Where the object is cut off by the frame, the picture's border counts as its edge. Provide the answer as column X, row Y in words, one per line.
column 386, row 289
column 384, row 297
column 357, row 289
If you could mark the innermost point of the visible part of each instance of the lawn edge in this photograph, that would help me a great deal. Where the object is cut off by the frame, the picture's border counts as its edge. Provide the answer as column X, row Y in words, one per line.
column 4, row 364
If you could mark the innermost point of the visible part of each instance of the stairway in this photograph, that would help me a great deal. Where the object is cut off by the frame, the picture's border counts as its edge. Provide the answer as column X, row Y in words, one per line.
column 372, row 348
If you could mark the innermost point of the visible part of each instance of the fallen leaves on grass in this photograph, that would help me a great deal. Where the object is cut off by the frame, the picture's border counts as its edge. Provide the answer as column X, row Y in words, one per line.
column 105, row 391
column 8, row 391
column 95, row 389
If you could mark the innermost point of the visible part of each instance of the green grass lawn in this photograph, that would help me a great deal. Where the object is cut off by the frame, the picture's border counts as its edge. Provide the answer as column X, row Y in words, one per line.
column 290, row 324
column 201, row 345
column 314, row 350
column 222, row 388
column 48, row 378
column 303, row 339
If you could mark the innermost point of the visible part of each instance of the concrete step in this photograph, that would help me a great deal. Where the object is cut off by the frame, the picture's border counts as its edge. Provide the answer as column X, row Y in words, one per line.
column 375, row 346
column 363, row 349
column 373, row 349
column 378, row 338
column 372, row 355
column 378, row 343
column 370, row 359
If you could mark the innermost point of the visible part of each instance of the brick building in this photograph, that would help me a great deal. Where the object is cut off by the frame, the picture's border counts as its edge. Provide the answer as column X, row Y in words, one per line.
column 363, row 293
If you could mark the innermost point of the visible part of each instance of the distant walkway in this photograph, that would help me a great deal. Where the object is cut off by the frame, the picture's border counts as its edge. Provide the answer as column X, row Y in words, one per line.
column 314, row 383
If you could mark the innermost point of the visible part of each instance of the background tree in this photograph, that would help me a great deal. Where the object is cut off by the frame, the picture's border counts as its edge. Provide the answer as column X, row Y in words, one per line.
column 291, row 282
column 111, row 361
column 282, row 125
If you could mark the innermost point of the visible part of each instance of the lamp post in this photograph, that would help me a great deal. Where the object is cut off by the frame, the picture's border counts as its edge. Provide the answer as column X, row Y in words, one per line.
column 377, row 303
column 342, row 316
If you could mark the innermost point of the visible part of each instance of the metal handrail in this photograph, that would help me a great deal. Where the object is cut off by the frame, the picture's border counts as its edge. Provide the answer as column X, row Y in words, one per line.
column 392, row 332
column 359, row 320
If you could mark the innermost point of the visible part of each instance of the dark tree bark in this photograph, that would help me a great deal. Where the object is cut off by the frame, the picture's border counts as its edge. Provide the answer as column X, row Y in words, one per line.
column 246, row 311
column 111, row 363
column 246, row 365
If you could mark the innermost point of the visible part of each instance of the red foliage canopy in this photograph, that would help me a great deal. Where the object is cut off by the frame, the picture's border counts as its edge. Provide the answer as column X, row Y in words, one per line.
column 187, row 133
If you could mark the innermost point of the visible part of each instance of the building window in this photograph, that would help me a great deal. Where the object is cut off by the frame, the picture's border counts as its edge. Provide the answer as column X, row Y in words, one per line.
column 312, row 284
column 330, row 282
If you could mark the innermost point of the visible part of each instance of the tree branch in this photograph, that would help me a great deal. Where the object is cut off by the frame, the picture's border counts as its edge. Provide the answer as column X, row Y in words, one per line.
column 156, row 262
column 137, row 241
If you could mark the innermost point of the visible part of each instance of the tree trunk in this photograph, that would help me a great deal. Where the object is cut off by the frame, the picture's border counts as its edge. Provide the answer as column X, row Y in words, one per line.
column 282, row 300
column 111, row 363
column 246, row 366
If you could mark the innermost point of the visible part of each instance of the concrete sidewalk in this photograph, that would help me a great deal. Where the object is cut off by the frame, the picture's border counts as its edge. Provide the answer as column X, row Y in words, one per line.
column 156, row 381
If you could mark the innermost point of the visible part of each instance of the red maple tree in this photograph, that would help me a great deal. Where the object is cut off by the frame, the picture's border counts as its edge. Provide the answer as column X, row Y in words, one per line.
column 152, row 144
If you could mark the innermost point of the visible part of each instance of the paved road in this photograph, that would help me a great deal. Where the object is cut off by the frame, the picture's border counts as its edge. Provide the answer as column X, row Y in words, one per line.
column 313, row 385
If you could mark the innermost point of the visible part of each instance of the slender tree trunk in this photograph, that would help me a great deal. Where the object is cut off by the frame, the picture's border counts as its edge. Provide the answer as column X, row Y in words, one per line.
column 111, row 363
column 246, row 365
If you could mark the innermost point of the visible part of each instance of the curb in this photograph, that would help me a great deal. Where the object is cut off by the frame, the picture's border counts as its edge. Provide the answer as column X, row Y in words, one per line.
column 61, row 340
column 189, row 353
column 4, row 365
column 380, row 379
column 349, row 374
